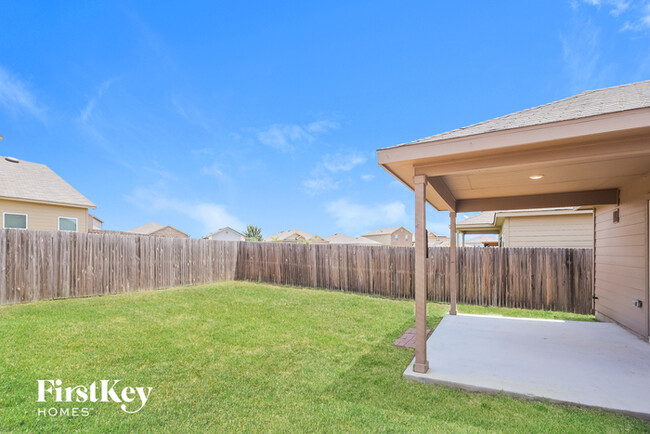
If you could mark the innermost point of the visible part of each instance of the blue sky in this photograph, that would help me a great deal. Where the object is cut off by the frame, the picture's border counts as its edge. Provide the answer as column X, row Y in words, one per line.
column 207, row 114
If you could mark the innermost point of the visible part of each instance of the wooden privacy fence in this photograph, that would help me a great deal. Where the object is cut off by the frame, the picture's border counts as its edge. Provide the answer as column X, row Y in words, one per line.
column 38, row 265
column 531, row 278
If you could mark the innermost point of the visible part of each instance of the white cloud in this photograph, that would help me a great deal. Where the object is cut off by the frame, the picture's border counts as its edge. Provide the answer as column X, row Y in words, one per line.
column 639, row 23
column 617, row 7
column 342, row 161
column 321, row 179
column 581, row 53
column 16, row 97
column 367, row 177
column 214, row 216
column 286, row 137
column 356, row 218
column 212, row 170
column 635, row 12
column 86, row 113
column 202, row 152
column 211, row 215
column 322, row 126
column 191, row 113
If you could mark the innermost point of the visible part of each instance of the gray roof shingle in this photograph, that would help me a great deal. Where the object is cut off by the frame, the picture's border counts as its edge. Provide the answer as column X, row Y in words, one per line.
column 383, row 231
column 146, row 229
column 484, row 218
column 346, row 239
column 283, row 235
column 37, row 182
column 227, row 228
column 590, row 103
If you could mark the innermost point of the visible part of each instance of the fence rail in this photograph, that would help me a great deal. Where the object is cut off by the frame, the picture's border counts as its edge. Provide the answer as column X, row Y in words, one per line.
column 38, row 265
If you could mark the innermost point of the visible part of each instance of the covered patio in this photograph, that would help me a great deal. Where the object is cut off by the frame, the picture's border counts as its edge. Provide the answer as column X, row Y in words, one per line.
column 593, row 364
column 591, row 150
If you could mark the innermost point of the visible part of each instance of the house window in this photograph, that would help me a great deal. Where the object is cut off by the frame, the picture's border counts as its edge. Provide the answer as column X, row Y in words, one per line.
column 14, row 221
column 68, row 224
column 406, row 237
column 396, row 237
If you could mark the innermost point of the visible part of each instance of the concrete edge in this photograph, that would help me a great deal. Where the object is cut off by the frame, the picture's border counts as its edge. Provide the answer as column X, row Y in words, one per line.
column 410, row 375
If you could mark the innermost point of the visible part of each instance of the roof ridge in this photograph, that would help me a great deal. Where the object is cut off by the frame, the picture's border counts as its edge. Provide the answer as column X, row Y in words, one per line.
column 524, row 111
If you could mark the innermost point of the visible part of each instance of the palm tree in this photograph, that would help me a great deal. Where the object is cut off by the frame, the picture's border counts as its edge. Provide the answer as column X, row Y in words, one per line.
column 253, row 233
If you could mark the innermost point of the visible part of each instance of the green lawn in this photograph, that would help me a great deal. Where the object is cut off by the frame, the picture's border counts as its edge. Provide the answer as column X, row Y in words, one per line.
column 250, row 357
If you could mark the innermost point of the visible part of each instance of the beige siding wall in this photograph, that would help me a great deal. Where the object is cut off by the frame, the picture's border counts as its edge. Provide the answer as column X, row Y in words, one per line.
column 384, row 239
column 45, row 217
column 621, row 258
column 389, row 239
column 560, row 231
column 404, row 238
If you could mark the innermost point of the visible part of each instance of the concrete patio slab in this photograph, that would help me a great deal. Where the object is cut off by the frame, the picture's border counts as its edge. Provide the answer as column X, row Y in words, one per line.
column 585, row 363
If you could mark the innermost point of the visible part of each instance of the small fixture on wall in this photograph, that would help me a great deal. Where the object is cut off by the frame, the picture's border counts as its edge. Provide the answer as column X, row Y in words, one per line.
column 616, row 216
column 638, row 303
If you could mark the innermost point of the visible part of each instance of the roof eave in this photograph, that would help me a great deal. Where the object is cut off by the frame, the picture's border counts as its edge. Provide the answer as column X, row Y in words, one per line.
column 89, row 205
column 521, row 136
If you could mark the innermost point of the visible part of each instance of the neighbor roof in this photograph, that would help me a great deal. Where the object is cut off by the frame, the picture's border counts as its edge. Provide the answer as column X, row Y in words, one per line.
column 96, row 218
column 384, row 231
column 346, row 239
column 28, row 181
column 151, row 228
column 227, row 228
column 590, row 103
column 484, row 218
column 488, row 218
column 285, row 234
column 481, row 239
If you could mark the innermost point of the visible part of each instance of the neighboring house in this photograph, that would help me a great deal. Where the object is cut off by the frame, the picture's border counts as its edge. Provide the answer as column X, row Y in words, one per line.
column 295, row 236
column 482, row 241
column 225, row 234
column 397, row 236
column 436, row 240
column 94, row 223
column 158, row 230
column 33, row 197
column 346, row 239
column 569, row 227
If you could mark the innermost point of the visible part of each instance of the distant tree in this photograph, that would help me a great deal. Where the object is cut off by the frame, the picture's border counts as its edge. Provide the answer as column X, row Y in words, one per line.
column 253, row 233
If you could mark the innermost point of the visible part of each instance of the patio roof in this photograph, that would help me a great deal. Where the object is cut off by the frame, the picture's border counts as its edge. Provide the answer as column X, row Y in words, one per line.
column 577, row 152
column 583, row 147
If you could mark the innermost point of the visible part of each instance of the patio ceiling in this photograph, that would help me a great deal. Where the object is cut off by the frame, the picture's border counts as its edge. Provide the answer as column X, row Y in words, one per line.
column 583, row 163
